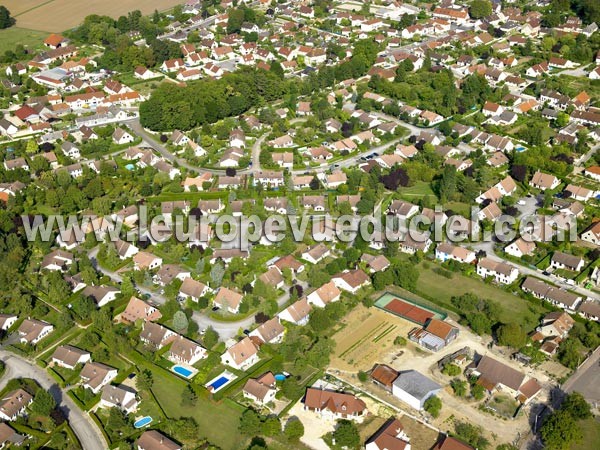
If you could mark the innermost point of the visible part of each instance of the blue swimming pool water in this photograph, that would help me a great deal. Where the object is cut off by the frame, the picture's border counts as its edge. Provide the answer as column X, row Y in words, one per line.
column 280, row 377
column 219, row 382
column 520, row 149
column 130, row 167
column 142, row 422
column 180, row 370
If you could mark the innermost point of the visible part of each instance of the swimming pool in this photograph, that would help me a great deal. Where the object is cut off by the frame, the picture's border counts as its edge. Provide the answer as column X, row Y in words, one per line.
column 220, row 381
column 280, row 377
column 130, row 167
column 183, row 371
column 142, row 422
column 520, row 149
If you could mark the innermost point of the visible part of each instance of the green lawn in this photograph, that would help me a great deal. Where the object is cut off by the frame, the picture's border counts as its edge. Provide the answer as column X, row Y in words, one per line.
column 418, row 190
column 512, row 307
column 28, row 38
column 591, row 435
column 218, row 421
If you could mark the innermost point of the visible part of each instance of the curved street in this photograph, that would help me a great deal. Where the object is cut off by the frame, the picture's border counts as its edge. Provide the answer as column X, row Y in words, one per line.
column 87, row 432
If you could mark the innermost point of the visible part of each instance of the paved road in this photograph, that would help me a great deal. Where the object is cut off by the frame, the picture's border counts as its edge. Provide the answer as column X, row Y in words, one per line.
column 586, row 380
column 226, row 330
column 87, row 432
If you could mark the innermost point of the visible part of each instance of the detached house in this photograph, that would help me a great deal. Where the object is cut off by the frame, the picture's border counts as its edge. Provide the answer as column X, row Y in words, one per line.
column 562, row 260
column 334, row 405
column 14, row 403
column 185, row 351
column 501, row 272
column 298, row 313
column 32, row 331
column 96, row 375
column 156, row 335
column 192, row 289
column 445, row 251
column 242, row 355
column 140, row 310
column 316, row 253
column 68, row 356
column 270, row 332
column 122, row 397
column 228, row 299
column 260, row 390
column 544, row 181
column 328, row 293
column 351, row 280
column 520, row 247
column 592, row 234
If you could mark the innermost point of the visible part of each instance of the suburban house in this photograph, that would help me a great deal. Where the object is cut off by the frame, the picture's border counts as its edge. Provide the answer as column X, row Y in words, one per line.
column 434, row 335
column 414, row 389
column 334, row 405
column 156, row 335
column 391, row 436
column 502, row 272
column 351, row 280
column 124, row 249
column 289, row 262
column 7, row 321
column 101, row 295
column 544, row 181
column 146, row 261
column 228, row 299
column 592, row 234
column 32, row 331
column 95, row 376
column 403, row 210
column 122, row 397
column 14, row 403
column 562, row 260
column 57, row 260
column 446, row 251
column 169, row 272
column 561, row 298
column 316, row 253
column 328, row 293
column 297, row 313
column 553, row 329
column 140, row 310
column 376, row 263
column 241, row 355
column 186, row 351
column 272, row 277
column 8, row 436
column 192, row 289
column 260, row 390
column 68, row 356
column 154, row 440
column 494, row 375
column 520, row 247
column 270, row 332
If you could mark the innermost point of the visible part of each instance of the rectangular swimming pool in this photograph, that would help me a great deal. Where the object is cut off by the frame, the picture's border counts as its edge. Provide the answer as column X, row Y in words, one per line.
column 219, row 382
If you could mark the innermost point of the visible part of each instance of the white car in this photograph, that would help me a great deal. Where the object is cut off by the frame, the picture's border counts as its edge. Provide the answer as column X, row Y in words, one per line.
column 521, row 202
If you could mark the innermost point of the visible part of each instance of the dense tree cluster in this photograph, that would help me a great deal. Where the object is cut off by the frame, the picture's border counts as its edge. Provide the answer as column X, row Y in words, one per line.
column 562, row 429
column 5, row 18
column 207, row 101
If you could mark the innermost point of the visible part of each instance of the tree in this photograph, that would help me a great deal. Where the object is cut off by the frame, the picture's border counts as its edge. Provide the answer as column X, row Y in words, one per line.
column 511, row 335
column 43, row 403
column 145, row 380
column 180, row 321
column 480, row 9
column 471, row 434
column 576, row 405
column 433, row 405
column 459, row 387
column 346, row 434
column 6, row 20
column 363, row 376
column 560, row 431
column 271, row 427
column 210, row 338
column 477, row 391
column 250, row 423
column 294, row 429
column 189, row 396
column 451, row 370
column 216, row 275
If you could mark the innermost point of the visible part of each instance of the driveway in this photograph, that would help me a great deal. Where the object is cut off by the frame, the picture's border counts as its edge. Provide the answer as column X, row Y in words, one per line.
column 586, row 380
column 86, row 430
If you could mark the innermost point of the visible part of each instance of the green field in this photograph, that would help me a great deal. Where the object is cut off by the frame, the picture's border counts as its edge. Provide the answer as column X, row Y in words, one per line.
column 591, row 435
column 217, row 421
column 512, row 307
column 418, row 190
column 28, row 38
